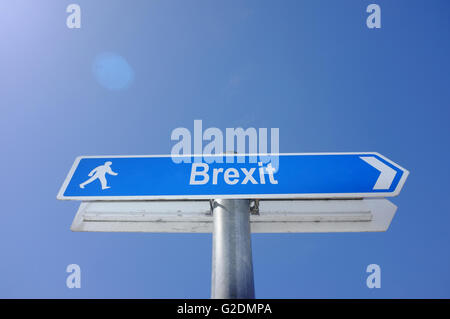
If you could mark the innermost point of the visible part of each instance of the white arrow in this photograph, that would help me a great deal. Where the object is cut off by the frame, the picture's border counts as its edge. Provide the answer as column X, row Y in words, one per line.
column 387, row 174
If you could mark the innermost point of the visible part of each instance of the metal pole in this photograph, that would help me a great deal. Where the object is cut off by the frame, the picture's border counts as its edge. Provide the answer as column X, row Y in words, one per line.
column 232, row 266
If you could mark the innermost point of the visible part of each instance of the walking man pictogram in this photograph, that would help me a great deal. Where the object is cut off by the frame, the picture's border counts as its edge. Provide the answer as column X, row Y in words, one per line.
column 100, row 172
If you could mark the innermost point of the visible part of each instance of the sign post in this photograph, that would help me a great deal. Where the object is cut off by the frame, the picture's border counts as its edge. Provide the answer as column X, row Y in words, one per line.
column 232, row 266
column 312, row 192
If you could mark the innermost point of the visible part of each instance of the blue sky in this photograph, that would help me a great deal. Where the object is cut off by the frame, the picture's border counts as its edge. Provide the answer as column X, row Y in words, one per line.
column 311, row 68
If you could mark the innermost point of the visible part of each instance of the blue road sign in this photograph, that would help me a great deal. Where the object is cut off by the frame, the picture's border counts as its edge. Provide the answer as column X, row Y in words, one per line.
column 277, row 176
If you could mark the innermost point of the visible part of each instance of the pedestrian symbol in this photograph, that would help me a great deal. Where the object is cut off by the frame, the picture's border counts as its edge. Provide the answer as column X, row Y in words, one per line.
column 99, row 173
